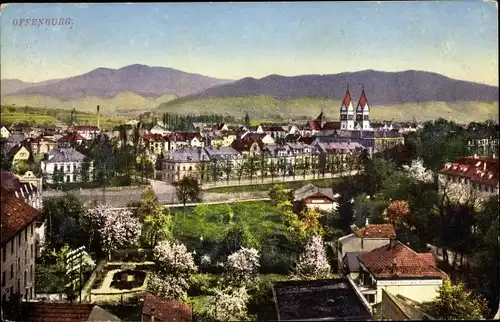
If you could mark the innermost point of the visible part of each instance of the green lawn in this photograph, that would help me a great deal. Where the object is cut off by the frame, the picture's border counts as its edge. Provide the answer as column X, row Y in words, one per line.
column 323, row 183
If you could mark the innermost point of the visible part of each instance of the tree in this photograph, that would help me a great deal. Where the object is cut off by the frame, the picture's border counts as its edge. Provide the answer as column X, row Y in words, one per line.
column 117, row 227
column 251, row 167
column 173, row 266
column 243, row 267
column 417, row 171
column 397, row 212
column 310, row 218
column 188, row 189
column 228, row 170
column 84, row 171
column 230, row 305
column 247, row 119
column 455, row 302
column 278, row 194
column 262, row 166
column 147, row 203
column 158, row 226
column 216, row 171
column 313, row 262
column 236, row 236
column 273, row 168
column 5, row 163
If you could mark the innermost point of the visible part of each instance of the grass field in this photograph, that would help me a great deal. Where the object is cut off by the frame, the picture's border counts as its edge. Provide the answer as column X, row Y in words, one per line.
column 51, row 116
column 323, row 183
column 264, row 108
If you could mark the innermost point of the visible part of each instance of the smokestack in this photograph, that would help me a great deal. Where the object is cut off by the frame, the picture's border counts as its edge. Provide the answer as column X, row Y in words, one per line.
column 367, row 221
column 98, row 117
column 484, row 166
column 394, row 266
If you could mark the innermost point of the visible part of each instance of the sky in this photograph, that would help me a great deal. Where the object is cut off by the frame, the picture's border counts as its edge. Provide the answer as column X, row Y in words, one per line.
column 458, row 39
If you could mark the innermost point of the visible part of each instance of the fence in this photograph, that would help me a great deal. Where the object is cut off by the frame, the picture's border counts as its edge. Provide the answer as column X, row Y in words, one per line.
column 87, row 288
column 51, row 297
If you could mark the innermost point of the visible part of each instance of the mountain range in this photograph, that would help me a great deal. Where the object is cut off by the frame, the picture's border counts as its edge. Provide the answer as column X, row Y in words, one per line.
column 106, row 83
column 382, row 88
column 137, row 88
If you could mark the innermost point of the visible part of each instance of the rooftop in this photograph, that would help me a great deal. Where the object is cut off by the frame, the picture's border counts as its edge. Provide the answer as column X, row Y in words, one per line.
column 376, row 231
column 476, row 168
column 397, row 260
column 65, row 155
column 332, row 299
column 16, row 215
column 311, row 190
column 165, row 310
column 65, row 312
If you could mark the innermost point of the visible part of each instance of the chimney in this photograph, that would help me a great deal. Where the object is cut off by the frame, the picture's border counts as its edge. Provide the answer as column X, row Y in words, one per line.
column 367, row 222
column 484, row 166
column 98, row 117
column 394, row 266
column 475, row 156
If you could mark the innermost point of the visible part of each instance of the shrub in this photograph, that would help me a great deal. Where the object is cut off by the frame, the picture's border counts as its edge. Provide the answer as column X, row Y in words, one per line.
column 202, row 284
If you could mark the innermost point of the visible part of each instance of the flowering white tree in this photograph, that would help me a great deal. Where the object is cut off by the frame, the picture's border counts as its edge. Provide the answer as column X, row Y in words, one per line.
column 117, row 228
column 242, row 266
column 174, row 264
column 313, row 263
column 230, row 305
column 418, row 171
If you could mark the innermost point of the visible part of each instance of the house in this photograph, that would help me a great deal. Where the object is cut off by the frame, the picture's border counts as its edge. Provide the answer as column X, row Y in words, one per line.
column 470, row 179
column 223, row 154
column 156, row 309
column 222, row 138
column 330, row 128
column 4, row 132
column 19, row 153
column 183, row 162
column 155, row 143
column 67, row 312
column 88, row 132
column 314, row 197
column 362, row 240
column 42, row 144
column 320, row 300
column 66, row 159
column 275, row 131
column 248, row 146
column 400, row 308
column 18, row 246
column 398, row 269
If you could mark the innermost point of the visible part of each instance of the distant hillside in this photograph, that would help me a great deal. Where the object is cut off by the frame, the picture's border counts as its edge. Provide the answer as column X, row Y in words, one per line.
column 107, row 83
column 268, row 108
column 123, row 104
column 382, row 88
column 8, row 86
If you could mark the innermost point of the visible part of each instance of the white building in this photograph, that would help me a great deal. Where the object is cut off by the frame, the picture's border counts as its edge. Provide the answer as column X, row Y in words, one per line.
column 66, row 159
column 17, row 247
column 321, row 199
column 4, row 132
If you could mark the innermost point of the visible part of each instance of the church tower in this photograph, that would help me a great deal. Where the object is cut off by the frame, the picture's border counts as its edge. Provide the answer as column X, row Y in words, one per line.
column 347, row 113
column 363, row 112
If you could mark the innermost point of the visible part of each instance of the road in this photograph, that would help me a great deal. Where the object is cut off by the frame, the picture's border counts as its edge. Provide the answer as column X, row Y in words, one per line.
column 122, row 196
column 180, row 205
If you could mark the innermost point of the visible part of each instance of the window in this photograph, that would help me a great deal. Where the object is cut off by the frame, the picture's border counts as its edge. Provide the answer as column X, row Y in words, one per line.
column 19, row 240
column 18, row 285
column 31, row 251
column 3, row 279
column 366, row 117
column 26, row 235
column 31, row 229
column 4, row 298
column 26, row 256
column 67, row 178
column 25, row 277
column 74, row 178
column 190, row 168
column 11, row 271
column 18, row 264
column 31, row 272
column 68, row 168
column 11, row 247
column 370, row 298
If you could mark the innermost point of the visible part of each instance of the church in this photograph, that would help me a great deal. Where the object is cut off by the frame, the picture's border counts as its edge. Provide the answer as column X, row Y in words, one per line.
column 355, row 127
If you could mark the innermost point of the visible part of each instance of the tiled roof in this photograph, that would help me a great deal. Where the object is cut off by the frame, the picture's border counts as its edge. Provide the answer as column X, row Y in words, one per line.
column 314, row 125
column 362, row 99
column 335, row 125
column 272, row 128
column 150, row 137
column 186, row 154
column 42, row 138
column 165, row 310
column 311, row 190
column 223, row 150
column 65, row 155
column 479, row 169
column 292, row 137
column 376, row 231
column 11, row 183
column 57, row 312
column 16, row 215
column 398, row 260
column 339, row 147
column 347, row 99
column 71, row 137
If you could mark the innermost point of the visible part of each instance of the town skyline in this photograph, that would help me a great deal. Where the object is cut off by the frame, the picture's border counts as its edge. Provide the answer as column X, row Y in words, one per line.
column 238, row 40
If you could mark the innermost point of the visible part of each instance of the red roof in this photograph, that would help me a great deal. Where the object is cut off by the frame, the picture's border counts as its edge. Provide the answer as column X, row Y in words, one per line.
column 313, row 125
column 182, row 136
column 42, row 138
column 166, row 310
column 397, row 260
column 153, row 137
column 376, row 231
column 362, row 100
column 347, row 99
column 57, row 312
column 483, row 170
column 71, row 137
column 16, row 215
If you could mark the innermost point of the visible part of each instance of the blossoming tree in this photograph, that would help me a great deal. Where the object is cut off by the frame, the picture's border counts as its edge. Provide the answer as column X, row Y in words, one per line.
column 313, row 263
column 117, row 228
column 242, row 266
column 418, row 171
column 174, row 264
column 230, row 305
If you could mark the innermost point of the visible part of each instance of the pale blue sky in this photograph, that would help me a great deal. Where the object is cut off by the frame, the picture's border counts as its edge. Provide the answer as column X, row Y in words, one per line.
column 458, row 39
